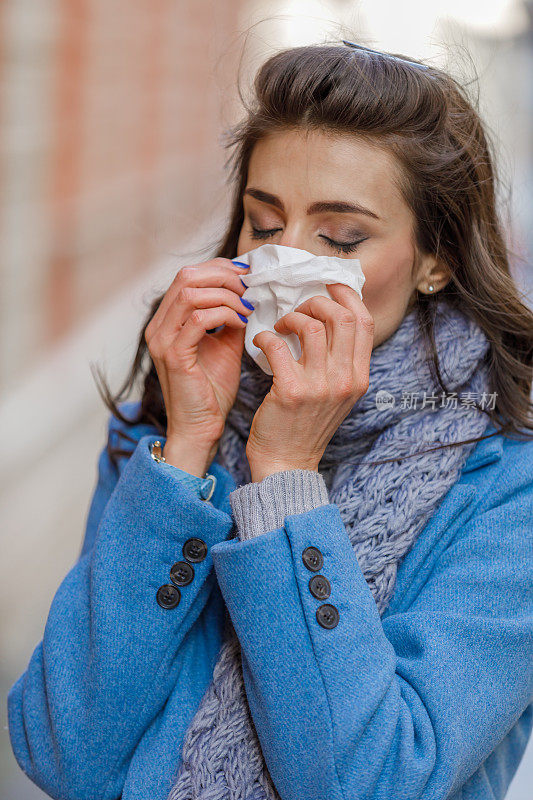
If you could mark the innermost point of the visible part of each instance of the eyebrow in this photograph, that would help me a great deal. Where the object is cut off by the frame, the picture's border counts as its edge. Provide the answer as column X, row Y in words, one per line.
column 340, row 206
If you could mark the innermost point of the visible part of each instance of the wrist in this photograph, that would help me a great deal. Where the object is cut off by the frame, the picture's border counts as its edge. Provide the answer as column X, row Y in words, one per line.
column 192, row 457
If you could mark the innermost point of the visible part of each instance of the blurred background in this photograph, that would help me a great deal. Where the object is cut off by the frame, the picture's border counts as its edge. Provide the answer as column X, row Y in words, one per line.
column 112, row 175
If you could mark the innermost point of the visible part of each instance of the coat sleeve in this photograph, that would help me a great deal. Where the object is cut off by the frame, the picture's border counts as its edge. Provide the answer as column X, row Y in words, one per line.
column 106, row 480
column 111, row 654
column 408, row 706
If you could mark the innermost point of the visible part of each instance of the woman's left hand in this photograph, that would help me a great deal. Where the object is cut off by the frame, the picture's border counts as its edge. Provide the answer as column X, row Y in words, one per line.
column 309, row 398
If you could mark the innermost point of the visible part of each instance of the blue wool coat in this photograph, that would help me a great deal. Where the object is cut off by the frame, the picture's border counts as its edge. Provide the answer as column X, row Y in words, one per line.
column 434, row 700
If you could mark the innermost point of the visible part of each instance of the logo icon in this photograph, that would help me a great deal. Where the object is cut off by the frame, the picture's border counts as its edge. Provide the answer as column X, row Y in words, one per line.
column 384, row 400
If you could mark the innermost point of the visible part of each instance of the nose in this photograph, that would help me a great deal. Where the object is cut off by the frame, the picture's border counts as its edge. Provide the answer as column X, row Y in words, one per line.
column 291, row 238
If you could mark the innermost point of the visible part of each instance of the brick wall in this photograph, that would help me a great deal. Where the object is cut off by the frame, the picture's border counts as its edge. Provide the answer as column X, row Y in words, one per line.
column 110, row 115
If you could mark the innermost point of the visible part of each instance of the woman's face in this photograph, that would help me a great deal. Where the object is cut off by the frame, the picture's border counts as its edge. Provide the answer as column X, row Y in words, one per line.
column 291, row 170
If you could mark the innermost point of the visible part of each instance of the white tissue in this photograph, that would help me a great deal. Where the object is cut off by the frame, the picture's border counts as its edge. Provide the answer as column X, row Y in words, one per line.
column 279, row 279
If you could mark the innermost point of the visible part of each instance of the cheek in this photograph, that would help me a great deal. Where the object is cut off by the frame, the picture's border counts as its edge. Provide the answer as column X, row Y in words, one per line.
column 388, row 279
column 386, row 291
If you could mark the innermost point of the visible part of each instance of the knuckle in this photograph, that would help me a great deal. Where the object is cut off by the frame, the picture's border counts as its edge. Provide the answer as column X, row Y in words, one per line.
column 346, row 386
column 292, row 392
column 366, row 321
column 185, row 294
column 314, row 326
column 185, row 274
column 362, row 384
column 346, row 318
column 197, row 317
column 275, row 345
column 154, row 351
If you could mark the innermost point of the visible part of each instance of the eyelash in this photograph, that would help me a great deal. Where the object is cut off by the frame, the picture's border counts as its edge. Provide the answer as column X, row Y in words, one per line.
column 340, row 247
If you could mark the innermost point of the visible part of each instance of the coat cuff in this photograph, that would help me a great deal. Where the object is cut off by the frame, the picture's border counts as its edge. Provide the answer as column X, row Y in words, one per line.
column 263, row 506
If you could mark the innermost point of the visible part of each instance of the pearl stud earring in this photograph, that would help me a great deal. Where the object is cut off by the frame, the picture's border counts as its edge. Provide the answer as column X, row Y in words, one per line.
column 430, row 288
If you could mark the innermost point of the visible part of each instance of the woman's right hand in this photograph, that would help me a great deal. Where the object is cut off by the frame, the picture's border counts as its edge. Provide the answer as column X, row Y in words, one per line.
column 199, row 373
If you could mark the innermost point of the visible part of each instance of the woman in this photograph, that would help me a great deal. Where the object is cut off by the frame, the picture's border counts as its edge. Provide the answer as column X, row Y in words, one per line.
column 365, row 627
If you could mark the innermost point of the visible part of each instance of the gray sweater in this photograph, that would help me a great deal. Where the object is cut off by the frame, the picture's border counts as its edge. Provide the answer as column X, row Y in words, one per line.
column 262, row 506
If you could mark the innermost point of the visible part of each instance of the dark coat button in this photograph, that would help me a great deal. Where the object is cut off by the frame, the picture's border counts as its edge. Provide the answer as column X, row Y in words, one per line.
column 319, row 586
column 327, row 615
column 194, row 549
column 313, row 559
column 181, row 573
column 168, row 596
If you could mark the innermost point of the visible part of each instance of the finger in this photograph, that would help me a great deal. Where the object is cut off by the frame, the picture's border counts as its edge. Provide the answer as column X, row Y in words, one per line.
column 192, row 297
column 339, row 324
column 216, row 272
column 312, row 335
column 278, row 354
column 184, row 348
column 364, row 329
column 213, row 275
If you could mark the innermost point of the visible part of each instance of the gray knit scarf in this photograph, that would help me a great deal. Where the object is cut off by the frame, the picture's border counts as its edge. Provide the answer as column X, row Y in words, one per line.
column 384, row 509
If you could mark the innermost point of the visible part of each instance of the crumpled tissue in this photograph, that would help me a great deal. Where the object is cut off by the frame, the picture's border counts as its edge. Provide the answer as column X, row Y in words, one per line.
column 279, row 279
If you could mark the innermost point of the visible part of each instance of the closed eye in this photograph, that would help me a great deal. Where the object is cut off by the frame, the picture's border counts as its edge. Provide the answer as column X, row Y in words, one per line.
column 340, row 247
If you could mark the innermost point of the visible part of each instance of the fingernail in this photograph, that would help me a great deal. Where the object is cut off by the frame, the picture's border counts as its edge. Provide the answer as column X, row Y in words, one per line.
column 247, row 303
column 240, row 263
column 243, row 283
column 244, row 319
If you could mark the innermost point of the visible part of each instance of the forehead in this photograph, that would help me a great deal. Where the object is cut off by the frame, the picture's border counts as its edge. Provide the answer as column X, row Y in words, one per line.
column 301, row 167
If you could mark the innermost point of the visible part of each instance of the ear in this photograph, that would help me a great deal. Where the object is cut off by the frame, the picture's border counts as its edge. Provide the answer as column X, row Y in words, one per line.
column 432, row 272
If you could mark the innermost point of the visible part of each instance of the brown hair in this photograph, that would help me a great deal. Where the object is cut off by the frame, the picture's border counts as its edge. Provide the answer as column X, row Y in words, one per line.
column 424, row 117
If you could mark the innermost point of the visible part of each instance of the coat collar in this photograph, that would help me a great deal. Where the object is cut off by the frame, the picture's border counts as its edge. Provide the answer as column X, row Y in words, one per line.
column 486, row 451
